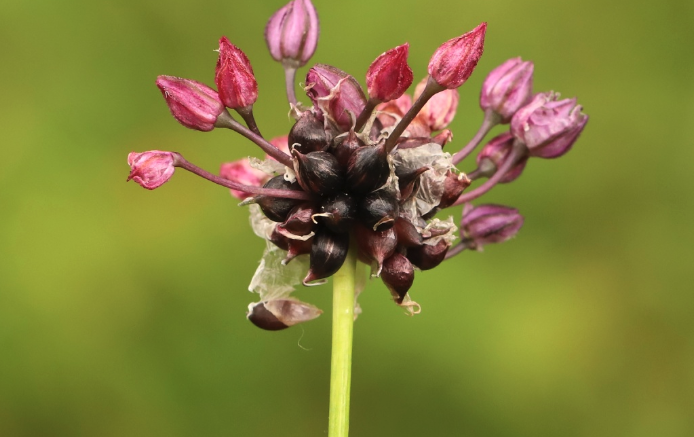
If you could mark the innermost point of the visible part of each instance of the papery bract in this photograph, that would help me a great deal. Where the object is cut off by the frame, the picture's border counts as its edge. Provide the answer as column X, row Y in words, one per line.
column 193, row 104
column 234, row 77
column 455, row 60
column 151, row 169
column 548, row 126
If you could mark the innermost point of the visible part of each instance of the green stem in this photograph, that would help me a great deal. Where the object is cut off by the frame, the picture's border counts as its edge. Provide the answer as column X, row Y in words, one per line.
column 341, row 362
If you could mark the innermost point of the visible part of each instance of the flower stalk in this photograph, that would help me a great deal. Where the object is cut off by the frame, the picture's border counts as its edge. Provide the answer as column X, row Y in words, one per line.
column 344, row 282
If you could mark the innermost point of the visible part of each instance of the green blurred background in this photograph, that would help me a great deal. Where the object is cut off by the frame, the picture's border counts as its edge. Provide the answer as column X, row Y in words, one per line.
column 122, row 310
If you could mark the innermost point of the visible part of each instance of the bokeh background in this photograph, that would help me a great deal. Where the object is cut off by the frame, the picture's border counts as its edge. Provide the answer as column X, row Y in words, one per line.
column 122, row 311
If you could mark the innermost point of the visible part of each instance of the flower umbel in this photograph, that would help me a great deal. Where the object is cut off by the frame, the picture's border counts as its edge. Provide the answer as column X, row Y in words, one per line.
column 369, row 170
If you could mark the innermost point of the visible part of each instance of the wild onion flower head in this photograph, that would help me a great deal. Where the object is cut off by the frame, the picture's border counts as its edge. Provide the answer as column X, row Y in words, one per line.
column 363, row 172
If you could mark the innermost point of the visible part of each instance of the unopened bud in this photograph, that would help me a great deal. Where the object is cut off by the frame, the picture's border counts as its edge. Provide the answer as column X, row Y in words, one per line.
column 389, row 76
column 547, row 126
column 291, row 33
column 336, row 93
column 508, row 88
column 193, row 104
column 485, row 224
column 234, row 77
column 151, row 169
column 455, row 60
column 277, row 314
column 496, row 150
column 242, row 172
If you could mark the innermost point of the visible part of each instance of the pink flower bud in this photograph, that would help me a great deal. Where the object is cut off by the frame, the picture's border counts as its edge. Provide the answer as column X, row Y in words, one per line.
column 452, row 63
column 389, row 76
column 388, row 111
column 335, row 93
column 440, row 109
column 241, row 171
column 234, row 77
column 507, row 88
column 291, row 33
column 194, row 105
column 487, row 224
column 547, row 126
column 151, row 169
column 496, row 150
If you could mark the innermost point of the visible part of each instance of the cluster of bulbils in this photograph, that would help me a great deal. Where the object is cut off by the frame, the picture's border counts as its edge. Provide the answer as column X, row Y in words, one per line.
column 368, row 170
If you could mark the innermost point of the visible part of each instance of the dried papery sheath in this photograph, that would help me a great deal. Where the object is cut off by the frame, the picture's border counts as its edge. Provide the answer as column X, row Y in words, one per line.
column 308, row 134
column 375, row 246
column 328, row 253
column 398, row 275
column 337, row 212
column 379, row 209
column 407, row 182
column 278, row 314
column 318, row 172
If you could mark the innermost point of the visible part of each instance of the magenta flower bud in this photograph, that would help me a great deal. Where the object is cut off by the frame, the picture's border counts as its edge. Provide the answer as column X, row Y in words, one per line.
column 291, row 33
column 496, row 151
column 234, row 77
column 547, row 126
column 336, row 93
column 241, row 171
column 440, row 109
column 194, row 105
column 389, row 76
column 454, row 61
column 507, row 88
column 151, row 169
column 487, row 224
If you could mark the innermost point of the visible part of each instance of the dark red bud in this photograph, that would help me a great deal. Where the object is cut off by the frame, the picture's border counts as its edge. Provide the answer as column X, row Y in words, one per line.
column 453, row 187
column 328, row 253
column 375, row 245
column 407, row 233
column 398, row 275
column 318, row 172
column 368, row 169
column 379, row 210
column 338, row 213
column 343, row 147
column 299, row 222
column 308, row 134
column 426, row 256
column 234, row 77
column 275, row 208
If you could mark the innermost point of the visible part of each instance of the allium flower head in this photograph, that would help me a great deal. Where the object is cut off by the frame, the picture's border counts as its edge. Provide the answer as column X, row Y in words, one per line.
column 364, row 175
